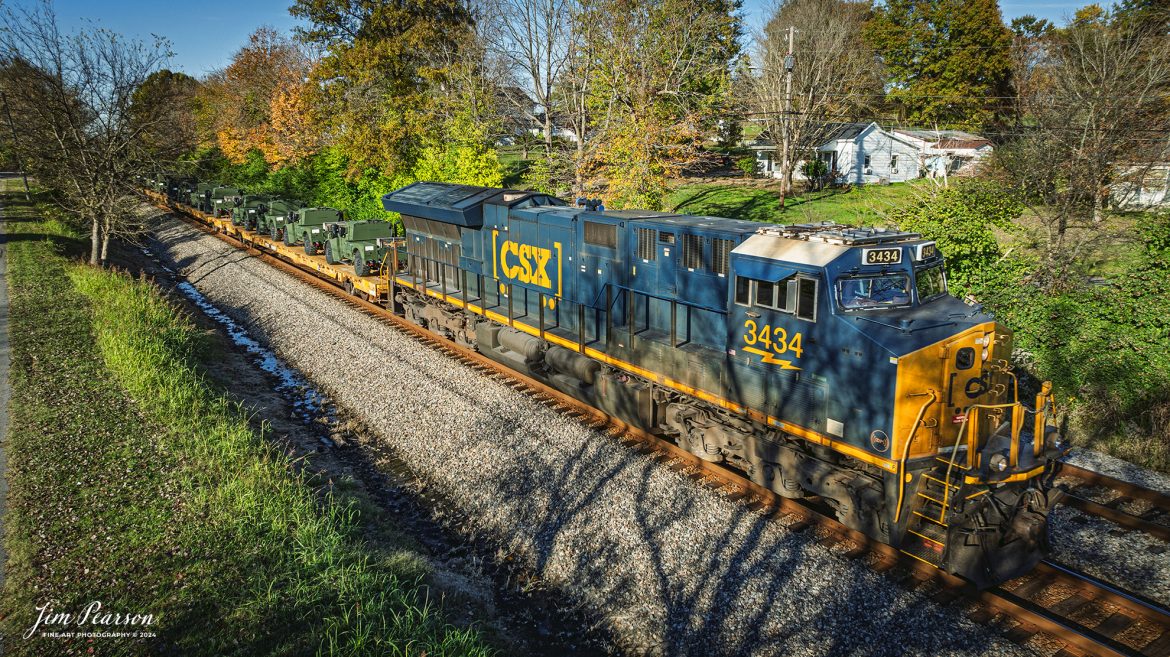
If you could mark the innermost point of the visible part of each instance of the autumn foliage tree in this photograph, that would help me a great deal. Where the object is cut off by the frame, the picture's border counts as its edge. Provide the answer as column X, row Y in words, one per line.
column 372, row 89
column 238, row 103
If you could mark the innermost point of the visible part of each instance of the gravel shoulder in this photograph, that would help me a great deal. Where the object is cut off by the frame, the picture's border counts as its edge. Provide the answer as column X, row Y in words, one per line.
column 1119, row 469
column 668, row 566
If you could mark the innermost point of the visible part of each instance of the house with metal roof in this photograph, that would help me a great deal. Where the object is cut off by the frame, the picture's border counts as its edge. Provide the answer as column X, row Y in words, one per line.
column 854, row 153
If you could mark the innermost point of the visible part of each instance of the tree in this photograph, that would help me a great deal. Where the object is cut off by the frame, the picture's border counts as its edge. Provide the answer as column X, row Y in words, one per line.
column 948, row 61
column 532, row 37
column 658, row 73
column 1101, row 115
column 238, row 102
column 833, row 77
column 371, row 89
column 1029, row 54
column 87, row 121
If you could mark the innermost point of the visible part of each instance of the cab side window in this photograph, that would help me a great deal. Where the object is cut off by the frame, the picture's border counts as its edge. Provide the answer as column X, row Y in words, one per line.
column 795, row 295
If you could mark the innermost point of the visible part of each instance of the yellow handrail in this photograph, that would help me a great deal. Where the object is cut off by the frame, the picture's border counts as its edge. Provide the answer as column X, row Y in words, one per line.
column 906, row 450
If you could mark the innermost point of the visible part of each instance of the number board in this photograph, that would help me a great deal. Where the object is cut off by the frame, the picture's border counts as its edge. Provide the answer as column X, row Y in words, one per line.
column 925, row 251
column 881, row 256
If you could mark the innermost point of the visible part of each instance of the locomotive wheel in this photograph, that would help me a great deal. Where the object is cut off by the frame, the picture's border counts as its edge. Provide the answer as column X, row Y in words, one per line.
column 310, row 245
column 329, row 254
column 359, row 264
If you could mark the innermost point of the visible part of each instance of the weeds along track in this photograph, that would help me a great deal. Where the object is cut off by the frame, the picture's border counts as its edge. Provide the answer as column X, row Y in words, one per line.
column 1055, row 609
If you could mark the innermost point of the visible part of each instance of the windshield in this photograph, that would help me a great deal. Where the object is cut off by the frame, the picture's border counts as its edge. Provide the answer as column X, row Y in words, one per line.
column 874, row 291
column 930, row 283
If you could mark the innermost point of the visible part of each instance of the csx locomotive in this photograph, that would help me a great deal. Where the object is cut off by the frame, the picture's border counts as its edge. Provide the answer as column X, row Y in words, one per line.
column 821, row 360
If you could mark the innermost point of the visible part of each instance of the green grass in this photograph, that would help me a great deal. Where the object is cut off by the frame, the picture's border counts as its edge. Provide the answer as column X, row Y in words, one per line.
column 133, row 482
column 760, row 201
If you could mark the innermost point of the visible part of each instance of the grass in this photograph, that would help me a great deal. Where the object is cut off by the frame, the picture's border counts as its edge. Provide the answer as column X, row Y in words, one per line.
column 760, row 201
column 133, row 482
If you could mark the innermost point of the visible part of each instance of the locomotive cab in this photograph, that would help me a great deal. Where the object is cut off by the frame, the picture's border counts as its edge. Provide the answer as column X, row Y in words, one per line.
column 868, row 354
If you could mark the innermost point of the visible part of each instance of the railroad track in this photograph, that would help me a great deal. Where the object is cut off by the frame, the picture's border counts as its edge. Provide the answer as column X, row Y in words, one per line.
column 1064, row 611
column 1133, row 508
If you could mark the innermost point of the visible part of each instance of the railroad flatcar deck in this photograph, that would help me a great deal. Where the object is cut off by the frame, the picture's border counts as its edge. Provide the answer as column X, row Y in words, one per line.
column 373, row 287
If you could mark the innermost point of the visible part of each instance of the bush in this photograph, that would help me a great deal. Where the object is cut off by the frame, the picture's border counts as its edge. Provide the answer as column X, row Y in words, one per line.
column 814, row 169
column 963, row 220
column 747, row 165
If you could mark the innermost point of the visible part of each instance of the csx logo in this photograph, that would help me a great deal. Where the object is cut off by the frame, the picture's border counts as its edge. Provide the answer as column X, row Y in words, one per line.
column 525, row 263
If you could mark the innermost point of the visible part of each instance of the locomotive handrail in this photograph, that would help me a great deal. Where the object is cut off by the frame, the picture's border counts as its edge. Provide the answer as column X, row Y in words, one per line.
column 906, row 450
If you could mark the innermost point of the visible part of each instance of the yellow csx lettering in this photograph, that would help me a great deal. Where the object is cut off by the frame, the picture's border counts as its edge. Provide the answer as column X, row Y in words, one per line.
column 530, row 266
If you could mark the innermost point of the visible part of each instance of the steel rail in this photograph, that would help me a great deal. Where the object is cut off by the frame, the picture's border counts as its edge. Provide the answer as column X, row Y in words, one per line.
column 1110, row 510
column 1019, row 603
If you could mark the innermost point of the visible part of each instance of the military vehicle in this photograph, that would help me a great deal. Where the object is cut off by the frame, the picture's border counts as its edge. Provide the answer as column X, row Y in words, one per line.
column 248, row 209
column 271, row 221
column 306, row 226
column 364, row 243
column 223, row 199
column 200, row 197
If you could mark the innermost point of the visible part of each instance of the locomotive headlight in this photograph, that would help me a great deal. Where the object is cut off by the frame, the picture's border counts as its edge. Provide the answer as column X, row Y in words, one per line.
column 1054, row 440
column 998, row 463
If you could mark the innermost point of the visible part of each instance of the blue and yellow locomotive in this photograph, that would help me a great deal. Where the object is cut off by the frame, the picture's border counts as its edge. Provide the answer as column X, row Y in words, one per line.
column 819, row 359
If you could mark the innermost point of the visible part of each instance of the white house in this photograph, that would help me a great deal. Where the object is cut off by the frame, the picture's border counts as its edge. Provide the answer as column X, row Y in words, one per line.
column 855, row 153
column 946, row 152
column 1140, row 187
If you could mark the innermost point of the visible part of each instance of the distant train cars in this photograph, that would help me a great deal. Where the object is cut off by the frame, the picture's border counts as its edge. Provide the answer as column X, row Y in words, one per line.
column 819, row 359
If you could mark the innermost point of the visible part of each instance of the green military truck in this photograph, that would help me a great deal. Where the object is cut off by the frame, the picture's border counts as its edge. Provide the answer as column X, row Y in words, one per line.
column 200, row 197
column 306, row 226
column 364, row 243
column 223, row 199
column 271, row 221
column 248, row 209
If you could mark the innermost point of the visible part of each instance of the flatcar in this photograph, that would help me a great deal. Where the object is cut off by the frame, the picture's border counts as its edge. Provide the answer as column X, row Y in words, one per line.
column 821, row 360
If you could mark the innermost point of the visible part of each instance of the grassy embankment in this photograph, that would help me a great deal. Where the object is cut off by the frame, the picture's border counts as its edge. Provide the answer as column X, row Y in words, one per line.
column 753, row 201
column 133, row 482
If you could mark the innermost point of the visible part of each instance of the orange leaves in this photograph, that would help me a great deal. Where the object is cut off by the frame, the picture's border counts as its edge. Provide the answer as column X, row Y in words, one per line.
column 257, row 102
column 293, row 135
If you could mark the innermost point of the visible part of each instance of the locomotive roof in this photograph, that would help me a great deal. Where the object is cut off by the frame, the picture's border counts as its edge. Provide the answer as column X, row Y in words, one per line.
column 682, row 220
column 450, row 203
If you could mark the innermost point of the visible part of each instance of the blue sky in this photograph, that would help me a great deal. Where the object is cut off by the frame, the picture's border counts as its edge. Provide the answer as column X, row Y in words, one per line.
column 205, row 33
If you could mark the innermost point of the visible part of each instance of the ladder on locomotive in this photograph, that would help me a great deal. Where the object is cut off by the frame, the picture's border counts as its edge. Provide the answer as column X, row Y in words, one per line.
column 937, row 493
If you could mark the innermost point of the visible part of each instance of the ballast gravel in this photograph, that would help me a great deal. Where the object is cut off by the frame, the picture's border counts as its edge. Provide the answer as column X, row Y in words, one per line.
column 671, row 567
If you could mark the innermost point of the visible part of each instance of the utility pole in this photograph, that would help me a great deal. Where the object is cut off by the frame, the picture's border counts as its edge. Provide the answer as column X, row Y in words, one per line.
column 789, row 62
column 12, row 127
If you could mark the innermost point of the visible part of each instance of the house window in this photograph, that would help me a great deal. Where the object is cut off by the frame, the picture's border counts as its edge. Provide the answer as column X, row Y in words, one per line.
column 866, row 161
column 720, row 255
column 646, row 250
column 692, row 251
column 599, row 234
column 894, row 163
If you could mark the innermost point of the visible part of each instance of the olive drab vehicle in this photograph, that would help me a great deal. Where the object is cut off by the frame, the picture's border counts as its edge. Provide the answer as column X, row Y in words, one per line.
column 248, row 209
column 272, row 219
column 223, row 199
column 306, row 226
column 200, row 197
column 363, row 243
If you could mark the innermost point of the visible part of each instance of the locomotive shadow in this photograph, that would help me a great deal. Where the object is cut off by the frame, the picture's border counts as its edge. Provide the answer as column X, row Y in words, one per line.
column 742, row 558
